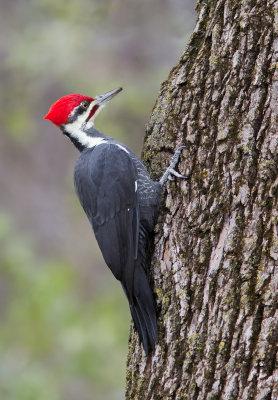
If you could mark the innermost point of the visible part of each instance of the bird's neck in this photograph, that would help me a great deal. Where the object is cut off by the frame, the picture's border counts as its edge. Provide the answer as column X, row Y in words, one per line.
column 84, row 138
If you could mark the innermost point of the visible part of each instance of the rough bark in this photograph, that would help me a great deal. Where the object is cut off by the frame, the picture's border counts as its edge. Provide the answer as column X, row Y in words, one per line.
column 215, row 260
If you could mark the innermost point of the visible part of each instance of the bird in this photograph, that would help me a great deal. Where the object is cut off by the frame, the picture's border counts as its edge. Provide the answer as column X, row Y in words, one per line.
column 120, row 200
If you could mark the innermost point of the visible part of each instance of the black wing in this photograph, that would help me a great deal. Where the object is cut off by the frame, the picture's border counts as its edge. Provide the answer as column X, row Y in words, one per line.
column 105, row 180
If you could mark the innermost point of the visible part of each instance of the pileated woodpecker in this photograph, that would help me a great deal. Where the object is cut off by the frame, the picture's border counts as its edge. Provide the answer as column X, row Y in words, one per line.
column 120, row 200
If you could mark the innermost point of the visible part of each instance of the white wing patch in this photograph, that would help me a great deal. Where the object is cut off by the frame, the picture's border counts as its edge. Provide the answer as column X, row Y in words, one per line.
column 135, row 186
column 123, row 148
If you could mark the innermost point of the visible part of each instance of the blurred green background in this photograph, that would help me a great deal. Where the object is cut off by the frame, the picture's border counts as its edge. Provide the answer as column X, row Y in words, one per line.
column 64, row 319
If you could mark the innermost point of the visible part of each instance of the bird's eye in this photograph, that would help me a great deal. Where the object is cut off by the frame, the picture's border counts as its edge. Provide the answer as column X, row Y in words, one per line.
column 84, row 105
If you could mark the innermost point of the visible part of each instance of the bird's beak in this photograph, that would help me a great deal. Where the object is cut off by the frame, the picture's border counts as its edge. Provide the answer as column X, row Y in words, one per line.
column 103, row 98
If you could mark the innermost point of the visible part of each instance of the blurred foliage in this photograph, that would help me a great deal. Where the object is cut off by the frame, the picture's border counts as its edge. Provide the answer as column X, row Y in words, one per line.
column 55, row 47
column 51, row 341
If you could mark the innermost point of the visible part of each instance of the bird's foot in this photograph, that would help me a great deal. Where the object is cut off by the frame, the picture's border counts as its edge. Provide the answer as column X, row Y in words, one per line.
column 170, row 171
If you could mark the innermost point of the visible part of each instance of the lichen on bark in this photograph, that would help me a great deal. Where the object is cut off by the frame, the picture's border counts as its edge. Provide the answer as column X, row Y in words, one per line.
column 215, row 260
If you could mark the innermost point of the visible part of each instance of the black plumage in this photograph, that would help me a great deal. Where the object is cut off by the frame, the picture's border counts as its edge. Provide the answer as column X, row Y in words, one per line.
column 121, row 203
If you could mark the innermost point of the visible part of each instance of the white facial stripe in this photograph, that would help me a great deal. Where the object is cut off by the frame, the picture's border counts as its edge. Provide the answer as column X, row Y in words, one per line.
column 82, row 137
column 123, row 148
column 91, row 121
column 76, row 128
column 81, row 119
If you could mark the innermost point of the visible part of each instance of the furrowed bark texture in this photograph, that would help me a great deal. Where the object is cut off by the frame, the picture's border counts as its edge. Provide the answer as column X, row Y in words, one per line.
column 215, row 260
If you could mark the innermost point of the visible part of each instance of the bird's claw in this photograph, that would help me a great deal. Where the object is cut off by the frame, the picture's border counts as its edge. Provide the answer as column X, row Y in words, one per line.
column 176, row 174
column 170, row 171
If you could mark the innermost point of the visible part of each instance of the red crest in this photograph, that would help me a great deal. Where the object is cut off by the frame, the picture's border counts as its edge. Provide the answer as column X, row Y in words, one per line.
column 59, row 111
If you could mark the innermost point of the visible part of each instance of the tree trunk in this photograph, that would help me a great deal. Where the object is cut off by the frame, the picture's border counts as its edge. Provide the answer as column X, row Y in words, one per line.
column 215, row 260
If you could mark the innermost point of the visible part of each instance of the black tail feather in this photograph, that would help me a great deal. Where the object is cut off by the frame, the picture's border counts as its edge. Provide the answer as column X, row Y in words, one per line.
column 143, row 310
